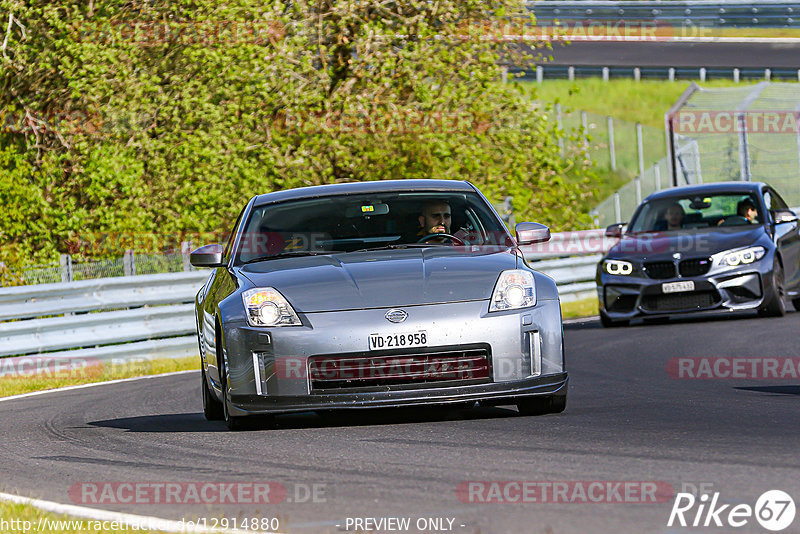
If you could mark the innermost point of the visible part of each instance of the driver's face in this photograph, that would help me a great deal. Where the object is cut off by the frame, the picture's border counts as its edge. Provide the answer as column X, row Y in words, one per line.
column 435, row 219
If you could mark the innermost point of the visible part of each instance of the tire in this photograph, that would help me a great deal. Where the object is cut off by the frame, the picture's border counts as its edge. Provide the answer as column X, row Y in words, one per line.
column 608, row 323
column 212, row 407
column 233, row 423
column 774, row 306
column 796, row 304
column 541, row 405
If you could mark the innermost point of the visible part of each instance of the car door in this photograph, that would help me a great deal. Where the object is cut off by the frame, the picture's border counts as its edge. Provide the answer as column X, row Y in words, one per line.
column 786, row 237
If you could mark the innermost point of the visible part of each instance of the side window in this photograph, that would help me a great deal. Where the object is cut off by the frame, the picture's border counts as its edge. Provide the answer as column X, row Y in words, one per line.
column 777, row 202
column 768, row 199
column 227, row 253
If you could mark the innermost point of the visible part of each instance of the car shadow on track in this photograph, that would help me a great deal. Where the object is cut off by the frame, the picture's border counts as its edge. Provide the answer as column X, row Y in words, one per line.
column 195, row 422
column 594, row 323
column 773, row 390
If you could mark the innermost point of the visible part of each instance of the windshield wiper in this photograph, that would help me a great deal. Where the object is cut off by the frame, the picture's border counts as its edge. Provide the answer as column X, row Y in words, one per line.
column 293, row 254
column 394, row 247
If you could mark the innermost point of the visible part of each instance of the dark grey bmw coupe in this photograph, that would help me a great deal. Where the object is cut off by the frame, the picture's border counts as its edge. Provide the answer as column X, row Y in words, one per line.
column 387, row 293
column 702, row 249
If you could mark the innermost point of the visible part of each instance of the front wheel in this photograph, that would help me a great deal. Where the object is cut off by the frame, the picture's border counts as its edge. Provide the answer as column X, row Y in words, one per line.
column 541, row 405
column 774, row 306
column 212, row 407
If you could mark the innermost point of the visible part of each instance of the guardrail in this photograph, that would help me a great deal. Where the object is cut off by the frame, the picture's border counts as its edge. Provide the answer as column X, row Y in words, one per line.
column 134, row 318
column 104, row 320
column 776, row 13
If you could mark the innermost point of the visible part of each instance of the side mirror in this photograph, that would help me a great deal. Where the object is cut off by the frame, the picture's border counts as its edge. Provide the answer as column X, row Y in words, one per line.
column 784, row 216
column 207, row 256
column 529, row 233
column 615, row 230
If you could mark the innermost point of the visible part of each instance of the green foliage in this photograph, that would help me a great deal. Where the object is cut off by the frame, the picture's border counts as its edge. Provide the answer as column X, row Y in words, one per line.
column 162, row 118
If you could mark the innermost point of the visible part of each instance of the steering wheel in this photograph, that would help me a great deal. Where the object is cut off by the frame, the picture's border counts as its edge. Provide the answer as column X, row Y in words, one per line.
column 451, row 236
column 734, row 220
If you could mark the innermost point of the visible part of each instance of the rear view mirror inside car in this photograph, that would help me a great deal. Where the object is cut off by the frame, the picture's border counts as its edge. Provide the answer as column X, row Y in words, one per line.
column 366, row 210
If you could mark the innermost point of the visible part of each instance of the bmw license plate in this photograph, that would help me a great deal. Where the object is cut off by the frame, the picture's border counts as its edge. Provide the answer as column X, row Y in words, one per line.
column 677, row 287
column 393, row 341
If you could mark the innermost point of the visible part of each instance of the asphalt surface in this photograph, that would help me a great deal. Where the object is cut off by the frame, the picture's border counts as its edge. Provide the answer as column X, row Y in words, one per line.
column 677, row 54
column 626, row 420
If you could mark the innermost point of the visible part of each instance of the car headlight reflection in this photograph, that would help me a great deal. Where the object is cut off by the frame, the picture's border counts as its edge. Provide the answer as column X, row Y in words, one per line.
column 514, row 289
column 744, row 256
column 267, row 307
column 618, row 267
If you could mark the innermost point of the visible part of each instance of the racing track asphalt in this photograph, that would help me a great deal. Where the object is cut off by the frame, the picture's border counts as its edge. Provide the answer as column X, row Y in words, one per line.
column 677, row 54
column 626, row 420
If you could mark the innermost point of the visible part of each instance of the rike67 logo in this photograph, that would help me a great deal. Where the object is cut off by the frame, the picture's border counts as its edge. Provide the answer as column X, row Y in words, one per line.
column 774, row 510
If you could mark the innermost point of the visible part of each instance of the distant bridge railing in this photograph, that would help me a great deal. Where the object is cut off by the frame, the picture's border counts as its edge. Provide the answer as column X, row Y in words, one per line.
column 776, row 13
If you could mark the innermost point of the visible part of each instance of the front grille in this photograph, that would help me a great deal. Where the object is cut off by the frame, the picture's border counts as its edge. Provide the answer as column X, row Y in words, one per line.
column 424, row 366
column 695, row 300
column 660, row 269
column 695, row 267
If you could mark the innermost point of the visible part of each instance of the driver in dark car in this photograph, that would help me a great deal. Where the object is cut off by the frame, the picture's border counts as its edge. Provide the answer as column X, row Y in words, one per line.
column 747, row 209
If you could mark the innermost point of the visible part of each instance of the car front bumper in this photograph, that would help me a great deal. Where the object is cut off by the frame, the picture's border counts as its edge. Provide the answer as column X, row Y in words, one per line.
column 268, row 368
column 728, row 290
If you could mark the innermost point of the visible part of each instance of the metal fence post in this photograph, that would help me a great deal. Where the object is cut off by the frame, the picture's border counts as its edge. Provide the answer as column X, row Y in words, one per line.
column 612, row 152
column 736, row 75
column 66, row 268
column 129, row 263
column 539, row 73
column 637, row 74
column 671, row 74
column 744, row 155
column 606, row 71
column 617, row 208
column 657, row 171
column 640, row 147
column 571, row 73
column 186, row 247
column 702, row 74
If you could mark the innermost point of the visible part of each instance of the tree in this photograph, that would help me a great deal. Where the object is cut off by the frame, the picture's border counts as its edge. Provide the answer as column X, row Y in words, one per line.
column 162, row 117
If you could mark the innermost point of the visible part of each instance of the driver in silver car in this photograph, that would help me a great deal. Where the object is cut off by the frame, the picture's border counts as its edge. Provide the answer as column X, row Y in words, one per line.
column 435, row 218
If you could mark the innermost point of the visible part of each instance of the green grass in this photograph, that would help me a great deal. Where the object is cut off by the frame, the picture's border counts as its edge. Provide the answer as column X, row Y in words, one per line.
column 579, row 308
column 16, row 515
column 16, row 386
column 645, row 101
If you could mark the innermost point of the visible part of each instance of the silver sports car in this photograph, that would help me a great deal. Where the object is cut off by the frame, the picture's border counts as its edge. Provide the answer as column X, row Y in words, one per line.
column 376, row 294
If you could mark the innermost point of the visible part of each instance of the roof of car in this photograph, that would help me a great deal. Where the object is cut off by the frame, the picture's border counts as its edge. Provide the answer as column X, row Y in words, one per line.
column 703, row 189
column 377, row 186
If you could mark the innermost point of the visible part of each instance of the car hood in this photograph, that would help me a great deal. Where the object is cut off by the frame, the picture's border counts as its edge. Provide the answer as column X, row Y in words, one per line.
column 381, row 279
column 690, row 244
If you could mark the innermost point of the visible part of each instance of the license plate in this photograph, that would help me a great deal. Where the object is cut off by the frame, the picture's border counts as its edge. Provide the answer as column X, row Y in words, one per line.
column 394, row 341
column 677, row 287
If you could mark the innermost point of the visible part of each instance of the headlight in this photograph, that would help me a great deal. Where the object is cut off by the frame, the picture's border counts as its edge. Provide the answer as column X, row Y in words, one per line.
column 744, row 256
column 267, row 307
column 514, row 289
column 618, row 267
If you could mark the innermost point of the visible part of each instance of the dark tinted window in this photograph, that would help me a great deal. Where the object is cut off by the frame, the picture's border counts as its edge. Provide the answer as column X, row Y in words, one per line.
column 354, row 222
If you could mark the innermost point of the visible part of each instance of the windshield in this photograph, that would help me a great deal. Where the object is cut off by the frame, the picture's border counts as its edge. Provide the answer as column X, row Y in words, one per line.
column 367, row 221
column 693, row 212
